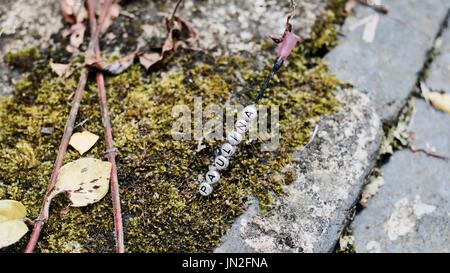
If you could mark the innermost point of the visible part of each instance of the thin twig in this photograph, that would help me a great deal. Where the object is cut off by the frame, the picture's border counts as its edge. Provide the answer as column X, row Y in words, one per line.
column 414, row 149
column 172, row 16
column 43, row 215
column 118, row 226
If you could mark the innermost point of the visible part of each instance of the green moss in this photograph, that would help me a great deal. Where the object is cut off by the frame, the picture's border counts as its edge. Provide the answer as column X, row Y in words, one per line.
column 23, row 59
column 162, row 209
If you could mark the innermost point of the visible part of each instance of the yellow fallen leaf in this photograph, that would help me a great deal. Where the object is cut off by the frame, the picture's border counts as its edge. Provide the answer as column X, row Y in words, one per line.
column 85, row 180
column 440, row 101
column 11, row 210
column 12, row 227
column 83, row 141
column 59, row 69
column 11, row 232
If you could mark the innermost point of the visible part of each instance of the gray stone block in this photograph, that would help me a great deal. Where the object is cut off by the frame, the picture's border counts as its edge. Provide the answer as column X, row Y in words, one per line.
column 388, row 67
column 331, row 172
column 430, row 128
column 439, row 71
column 411, row 212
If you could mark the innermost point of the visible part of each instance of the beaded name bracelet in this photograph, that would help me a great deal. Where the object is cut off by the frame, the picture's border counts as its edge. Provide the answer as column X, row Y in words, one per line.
column 221, row 162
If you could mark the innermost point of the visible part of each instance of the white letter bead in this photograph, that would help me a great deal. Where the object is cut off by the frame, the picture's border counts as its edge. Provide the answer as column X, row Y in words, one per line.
column 227, row 150
column 242, row 126
column 205, row 189
column 234, row 138
column 249, row 112
column 221, row 162
column 212, row 177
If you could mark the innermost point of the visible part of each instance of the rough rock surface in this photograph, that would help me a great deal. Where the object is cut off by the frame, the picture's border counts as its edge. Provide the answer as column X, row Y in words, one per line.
column 224, row 26
column 411, row 212
column 25, row 23
column 387, row 68
column 332, row 170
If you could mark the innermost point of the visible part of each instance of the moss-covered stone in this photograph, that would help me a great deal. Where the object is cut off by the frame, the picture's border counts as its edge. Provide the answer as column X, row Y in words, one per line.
column 23, row 59
column 158, row 176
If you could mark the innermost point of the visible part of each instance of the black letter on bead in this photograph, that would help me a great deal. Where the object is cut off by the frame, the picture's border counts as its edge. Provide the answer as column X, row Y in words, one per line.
column 211, row 176
column 203, row 189
column 227, row 152
column 249, row 114
column 241, row 126
column 223, row 163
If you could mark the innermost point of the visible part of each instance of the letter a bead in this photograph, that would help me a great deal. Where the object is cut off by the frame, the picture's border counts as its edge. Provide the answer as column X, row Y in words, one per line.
column 227, row 150
column 221, row 162
column 234, row 138
column 212, row 177
column 249, row 113
column 205, row 189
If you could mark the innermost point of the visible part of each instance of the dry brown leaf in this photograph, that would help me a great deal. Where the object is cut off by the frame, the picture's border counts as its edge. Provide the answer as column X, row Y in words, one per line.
column 60, row 69
column 440, row 101
column 149, row 59
column 83, row 141
column 77, row 35
column 85, row 180
column 349, row 6
column 12, row 226
column 117, row 66
column 114, row 12
column 180, row 33
column 73, row 11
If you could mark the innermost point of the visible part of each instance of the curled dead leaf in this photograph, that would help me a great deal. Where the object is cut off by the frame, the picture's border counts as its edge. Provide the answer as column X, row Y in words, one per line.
column 86, row 181
column 73, row 11
column 83, row 141
column 440, row 101
column 12, row 226
column 60, row 69
column 149, row 59
column 180, row 33
column 77, row 35
column 114, row 12
column 116, row 67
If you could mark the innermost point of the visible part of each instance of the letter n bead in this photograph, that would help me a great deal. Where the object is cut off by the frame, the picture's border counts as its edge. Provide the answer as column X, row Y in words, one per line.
column 205, row 189
column 242, row 126
column 212, row 177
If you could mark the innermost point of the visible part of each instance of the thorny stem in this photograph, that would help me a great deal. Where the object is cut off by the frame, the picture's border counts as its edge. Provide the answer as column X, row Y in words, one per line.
column 111, row 155
column 68, row 130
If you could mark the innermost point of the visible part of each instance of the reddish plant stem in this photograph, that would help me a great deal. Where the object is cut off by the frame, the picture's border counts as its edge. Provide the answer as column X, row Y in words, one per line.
column 43, row 215
column 110, row 150
column 68, row 130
